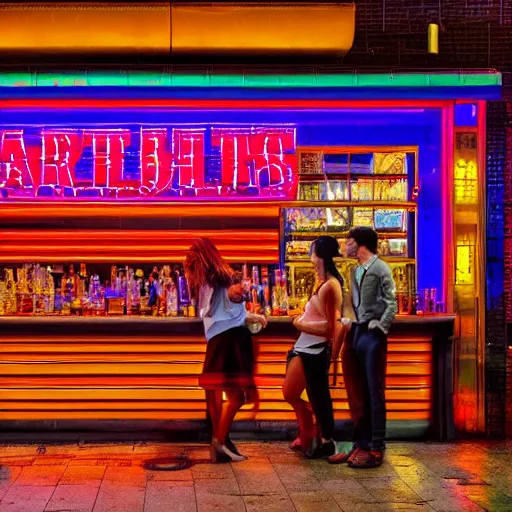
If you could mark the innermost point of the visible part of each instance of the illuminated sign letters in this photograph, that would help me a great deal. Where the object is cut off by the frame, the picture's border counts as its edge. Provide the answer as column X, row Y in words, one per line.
column 107, row 163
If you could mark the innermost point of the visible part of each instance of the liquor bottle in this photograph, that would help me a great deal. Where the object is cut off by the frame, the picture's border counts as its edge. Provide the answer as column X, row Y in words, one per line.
column 384, row 247
column 192, row 309
column 255, row 291
column 49, row 293
column 402, row 293
column 266, row 299
column 81, row 287
column 172, row 306
column 284, row 303
column 183, row 295
column 38, row 283
column 3, row 297
column 10, row 292
column 59, row 301
column 94, row 285
column 246, row 286
column 153, row 293
column 75, row 289
column 276, row 291
column 132, row 294
column 113, row 277
column 24, row 291
column 163, row 275
column 300, row 291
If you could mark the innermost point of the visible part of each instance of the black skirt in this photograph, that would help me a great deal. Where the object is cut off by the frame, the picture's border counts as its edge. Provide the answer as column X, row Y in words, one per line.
column 229, row 361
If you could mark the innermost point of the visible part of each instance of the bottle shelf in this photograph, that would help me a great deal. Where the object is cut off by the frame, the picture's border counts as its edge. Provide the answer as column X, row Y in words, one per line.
column 395, row 205
column 337, row 176
column 388, row 259
column 344, row 233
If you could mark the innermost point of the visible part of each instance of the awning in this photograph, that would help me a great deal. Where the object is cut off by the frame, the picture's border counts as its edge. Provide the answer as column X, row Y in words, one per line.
column 483, row 85
column 177, row 28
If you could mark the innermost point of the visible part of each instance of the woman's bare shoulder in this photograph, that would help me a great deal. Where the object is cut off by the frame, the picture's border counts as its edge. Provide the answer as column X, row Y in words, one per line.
column 331, row 286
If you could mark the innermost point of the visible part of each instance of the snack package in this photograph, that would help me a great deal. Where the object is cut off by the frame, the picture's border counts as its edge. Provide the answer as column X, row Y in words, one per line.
column 363, row 217
column 361, row 190
column 337, row 218
column 336, row 191
column 390, row 219
column 298, row 249
column 389, row 163
column 390, row 190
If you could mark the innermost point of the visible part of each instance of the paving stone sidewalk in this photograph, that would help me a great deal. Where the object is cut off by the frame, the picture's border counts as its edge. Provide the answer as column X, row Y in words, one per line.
column 467, row 476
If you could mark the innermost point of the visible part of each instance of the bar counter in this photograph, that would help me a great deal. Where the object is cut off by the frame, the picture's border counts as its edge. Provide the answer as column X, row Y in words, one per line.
column 126, row 373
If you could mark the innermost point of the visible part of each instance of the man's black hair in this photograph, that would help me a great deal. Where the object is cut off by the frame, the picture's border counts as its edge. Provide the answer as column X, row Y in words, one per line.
column 365, row 236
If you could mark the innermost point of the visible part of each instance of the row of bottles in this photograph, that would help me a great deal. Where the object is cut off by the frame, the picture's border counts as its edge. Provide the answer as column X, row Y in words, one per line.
column 38, row 290
column 164, row 293
column 262, row 296
column 32, row 291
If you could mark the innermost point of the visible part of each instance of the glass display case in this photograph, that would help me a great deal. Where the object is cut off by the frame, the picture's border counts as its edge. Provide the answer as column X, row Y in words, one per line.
column 339, row 189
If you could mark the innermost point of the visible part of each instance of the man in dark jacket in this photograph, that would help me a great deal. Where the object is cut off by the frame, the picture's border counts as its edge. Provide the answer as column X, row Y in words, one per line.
column 374, row 301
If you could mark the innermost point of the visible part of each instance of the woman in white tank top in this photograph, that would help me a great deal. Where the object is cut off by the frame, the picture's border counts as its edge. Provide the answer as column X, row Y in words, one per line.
column 309, row 361
column 228, row 368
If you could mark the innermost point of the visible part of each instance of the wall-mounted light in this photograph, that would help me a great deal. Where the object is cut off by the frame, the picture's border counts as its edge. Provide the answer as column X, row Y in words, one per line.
column 433, row 38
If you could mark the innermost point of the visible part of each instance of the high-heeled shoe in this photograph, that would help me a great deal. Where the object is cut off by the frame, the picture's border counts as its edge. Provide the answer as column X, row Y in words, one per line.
column 295, row 445
column 221, row 453
column 231, row 446
column 217, row 456
column 320, row 449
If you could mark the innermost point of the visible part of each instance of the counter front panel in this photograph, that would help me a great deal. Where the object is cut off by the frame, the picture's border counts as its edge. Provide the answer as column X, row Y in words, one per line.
column 135, row 369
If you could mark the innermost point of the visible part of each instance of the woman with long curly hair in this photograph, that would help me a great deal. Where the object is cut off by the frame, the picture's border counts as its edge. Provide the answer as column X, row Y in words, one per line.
column 229, row 362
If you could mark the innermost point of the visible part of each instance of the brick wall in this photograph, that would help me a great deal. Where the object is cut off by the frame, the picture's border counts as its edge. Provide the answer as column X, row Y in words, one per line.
column 507, row 357
column 392, row 34
column 498, row 267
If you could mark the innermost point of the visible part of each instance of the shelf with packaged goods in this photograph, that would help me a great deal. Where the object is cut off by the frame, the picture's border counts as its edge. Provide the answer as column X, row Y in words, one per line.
column 344, row 233
column 337, row 176
column 355, row 174
column 410, row 206
column 303, row 280
column 301, row 223
column 375, row 160
column 305, row 262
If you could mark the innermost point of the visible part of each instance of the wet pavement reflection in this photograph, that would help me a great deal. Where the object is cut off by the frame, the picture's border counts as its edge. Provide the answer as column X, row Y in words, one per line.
column 112, row 477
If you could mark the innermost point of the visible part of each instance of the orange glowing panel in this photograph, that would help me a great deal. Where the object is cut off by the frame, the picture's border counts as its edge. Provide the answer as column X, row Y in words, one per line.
column 86, row 27
column 127, row 414
column 128, row 377
column 262, row 28
column 98, row 246
column 128, row 234
column 41, row 210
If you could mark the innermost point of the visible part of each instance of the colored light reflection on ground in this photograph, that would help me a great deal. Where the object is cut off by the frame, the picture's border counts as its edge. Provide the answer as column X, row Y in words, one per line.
column 415, row 476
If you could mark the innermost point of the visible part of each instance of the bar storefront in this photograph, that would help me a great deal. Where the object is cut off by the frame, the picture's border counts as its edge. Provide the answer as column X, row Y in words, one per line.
column 105, row 184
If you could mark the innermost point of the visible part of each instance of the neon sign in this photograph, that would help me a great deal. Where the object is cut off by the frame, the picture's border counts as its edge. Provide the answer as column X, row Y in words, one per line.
column 140, row 162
